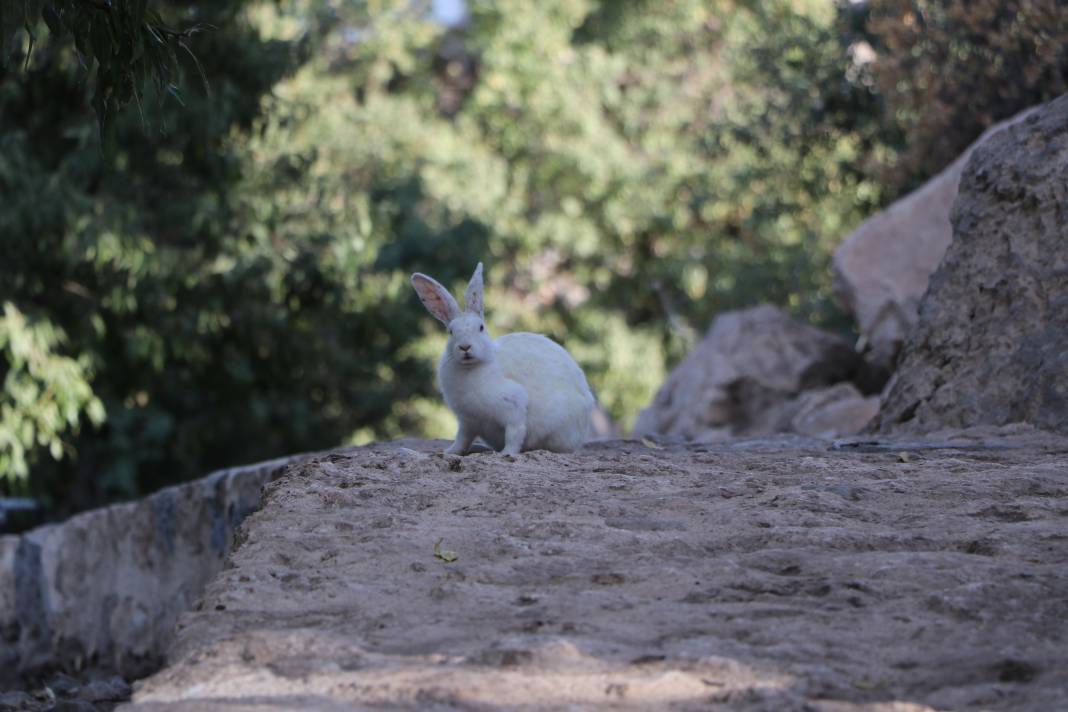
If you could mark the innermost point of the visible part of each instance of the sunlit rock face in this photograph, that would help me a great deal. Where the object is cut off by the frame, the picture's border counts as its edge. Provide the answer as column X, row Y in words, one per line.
column 882, row 268
column 747, row 378
column 991, row 345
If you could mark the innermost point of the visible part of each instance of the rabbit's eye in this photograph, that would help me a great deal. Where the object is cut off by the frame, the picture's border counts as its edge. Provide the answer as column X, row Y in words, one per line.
column 481, row 327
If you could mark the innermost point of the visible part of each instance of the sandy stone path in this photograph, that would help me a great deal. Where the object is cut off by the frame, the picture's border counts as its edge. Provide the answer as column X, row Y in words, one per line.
column 778, row 574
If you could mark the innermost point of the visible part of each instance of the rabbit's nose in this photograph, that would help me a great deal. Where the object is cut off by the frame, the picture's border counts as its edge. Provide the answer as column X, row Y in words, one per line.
column 465, row 347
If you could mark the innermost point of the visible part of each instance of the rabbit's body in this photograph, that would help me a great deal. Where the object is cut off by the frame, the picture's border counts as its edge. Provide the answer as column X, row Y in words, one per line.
column 531, row 369
column 561, row 404
column 520, row 392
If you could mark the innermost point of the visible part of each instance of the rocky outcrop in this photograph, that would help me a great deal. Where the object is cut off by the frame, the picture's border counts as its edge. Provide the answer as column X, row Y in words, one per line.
column 745, row 377
column 104, row 588
column 832, row 412
column 992, row 341
column 749, row 577
column 882, row 268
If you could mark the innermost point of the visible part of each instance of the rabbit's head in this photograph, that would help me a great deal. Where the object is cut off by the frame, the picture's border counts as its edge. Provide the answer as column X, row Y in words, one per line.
column 469, row 341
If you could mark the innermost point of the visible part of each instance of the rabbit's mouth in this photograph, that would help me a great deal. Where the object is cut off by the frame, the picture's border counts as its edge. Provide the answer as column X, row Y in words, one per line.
column 468, row 359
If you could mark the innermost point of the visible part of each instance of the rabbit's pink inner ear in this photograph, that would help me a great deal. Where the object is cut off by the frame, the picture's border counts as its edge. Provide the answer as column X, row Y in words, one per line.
column 473, row 297
column 435, row 298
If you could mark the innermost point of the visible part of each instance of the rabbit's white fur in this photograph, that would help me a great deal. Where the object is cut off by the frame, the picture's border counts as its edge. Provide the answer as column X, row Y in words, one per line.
column 520, row 392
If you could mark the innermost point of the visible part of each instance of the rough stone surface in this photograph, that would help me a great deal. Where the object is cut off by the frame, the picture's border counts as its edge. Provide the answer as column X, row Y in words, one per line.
column 992, row 341
column 781, row 574
column 103, row 589
column 882, row 268
column 743, row 376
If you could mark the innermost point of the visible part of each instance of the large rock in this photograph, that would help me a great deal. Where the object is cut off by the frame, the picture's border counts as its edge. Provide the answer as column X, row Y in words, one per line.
column 882, row 268
column 749, row 577
column 744, row 376
column 832, row 412
column 104, row 588
column 991, row 346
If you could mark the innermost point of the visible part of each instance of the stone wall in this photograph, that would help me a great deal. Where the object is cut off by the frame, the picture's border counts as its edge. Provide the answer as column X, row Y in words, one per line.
column 104, row 588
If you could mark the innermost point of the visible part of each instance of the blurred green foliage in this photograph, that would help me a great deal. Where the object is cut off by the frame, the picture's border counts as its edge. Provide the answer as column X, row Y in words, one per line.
column 44, row 393
column 627, row 169
column 951, row 68
column 126, row 44
column 229, row 282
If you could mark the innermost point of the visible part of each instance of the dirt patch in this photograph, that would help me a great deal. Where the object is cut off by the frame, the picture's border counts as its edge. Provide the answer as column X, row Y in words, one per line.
column 780, row 574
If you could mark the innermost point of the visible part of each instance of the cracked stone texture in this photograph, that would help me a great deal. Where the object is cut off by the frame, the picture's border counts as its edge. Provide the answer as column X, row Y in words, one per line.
column 775, row 574
column 991, row 346
column 882, row 268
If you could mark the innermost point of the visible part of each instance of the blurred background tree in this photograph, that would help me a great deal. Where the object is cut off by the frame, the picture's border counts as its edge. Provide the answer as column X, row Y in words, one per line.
column 229, row 283
column 951, row 68
column 127, row 46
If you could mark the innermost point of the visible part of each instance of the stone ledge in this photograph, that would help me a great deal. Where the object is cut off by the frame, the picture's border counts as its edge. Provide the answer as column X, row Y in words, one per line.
column 104, row 588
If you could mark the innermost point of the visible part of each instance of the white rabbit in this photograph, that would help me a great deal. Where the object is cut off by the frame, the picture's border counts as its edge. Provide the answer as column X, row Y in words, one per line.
column 520, row 392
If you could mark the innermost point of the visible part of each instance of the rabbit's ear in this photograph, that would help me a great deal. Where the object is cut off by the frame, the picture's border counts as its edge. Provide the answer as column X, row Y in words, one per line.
column 435, row 298
column 473, row 298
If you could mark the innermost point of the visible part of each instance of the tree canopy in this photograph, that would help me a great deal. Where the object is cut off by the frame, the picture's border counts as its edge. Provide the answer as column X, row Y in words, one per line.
column 126, row 44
